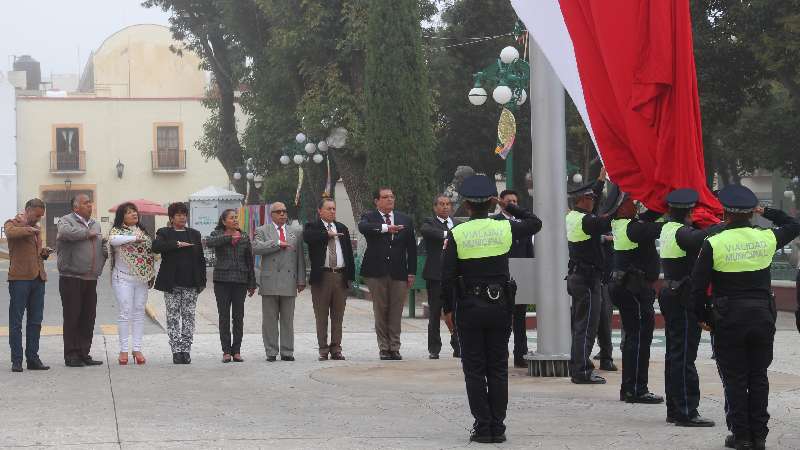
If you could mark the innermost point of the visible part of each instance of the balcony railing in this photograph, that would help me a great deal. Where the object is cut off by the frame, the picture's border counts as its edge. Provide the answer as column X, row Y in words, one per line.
column 169, row 160
column 64, row 162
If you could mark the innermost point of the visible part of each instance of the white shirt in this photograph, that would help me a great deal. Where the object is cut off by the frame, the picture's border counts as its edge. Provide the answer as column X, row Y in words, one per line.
column 385, row 227
column 278, row 230
column 446, row 222
column 88, row 223
column 339, row 254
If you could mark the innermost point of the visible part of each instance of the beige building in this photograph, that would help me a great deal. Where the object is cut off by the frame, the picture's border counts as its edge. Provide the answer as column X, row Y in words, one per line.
column 128, row 133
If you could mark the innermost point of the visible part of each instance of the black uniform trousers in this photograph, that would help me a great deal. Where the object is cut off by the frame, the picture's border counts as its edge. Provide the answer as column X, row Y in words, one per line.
column 434, row 288
column 638, row 320
column 483, row 332
column 604, row 326
column 682, row 332
column 520, row 333
column 744, row 333
column 230, row 299
column 586, row 301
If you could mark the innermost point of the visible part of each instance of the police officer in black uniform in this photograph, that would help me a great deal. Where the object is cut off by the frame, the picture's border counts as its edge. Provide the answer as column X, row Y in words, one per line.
column 680, row 244
column 736, row 263
column 477, row 290
column 586, row 261
column 635, row 269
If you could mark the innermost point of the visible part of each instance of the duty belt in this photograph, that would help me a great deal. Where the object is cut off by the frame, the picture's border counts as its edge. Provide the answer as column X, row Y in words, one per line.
column 493, row 293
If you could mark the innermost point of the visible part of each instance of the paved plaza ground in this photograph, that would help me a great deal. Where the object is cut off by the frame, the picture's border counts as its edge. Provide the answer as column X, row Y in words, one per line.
column 359, row 403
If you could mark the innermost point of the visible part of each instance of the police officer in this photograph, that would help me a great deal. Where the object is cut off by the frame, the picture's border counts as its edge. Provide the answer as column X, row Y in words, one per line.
column 584, row 240
column 635, row 270
column 680, row 244
column 477, row 288
column 736, row 263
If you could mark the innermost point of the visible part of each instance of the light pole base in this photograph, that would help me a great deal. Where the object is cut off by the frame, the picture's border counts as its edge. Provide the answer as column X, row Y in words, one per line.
column 547, row 365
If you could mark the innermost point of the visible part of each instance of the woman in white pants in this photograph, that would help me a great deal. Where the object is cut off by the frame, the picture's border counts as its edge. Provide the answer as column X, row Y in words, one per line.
column 132, row 275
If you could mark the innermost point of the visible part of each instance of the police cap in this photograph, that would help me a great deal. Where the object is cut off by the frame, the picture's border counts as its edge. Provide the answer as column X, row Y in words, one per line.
column 477, row 189
column 682, row 198
column 737, row 199
column 580, row 191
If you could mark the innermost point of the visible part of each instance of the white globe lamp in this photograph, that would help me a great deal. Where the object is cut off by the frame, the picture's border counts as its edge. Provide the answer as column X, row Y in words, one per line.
column 322, row 146
column 502, row 94
column 523, row 96
column 310, row 148
column 509, row 54
column 237, row 176
column 577, row 178
column 285, row 160
column 250, row 175
column 318, row 158
column 477, row 96
column 300, row 138
column 298, row 159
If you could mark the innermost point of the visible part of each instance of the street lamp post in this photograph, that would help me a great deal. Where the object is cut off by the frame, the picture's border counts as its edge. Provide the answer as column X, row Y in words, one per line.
column 303, row 150
column 248, row 171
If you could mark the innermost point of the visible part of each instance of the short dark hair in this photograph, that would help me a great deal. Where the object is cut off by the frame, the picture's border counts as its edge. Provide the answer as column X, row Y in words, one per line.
column 324, row 200
column 177, row 208
column 221, row 223
column 509, row 192
column 119, row 217
column 479, row 208
column 438, row 196
column 679, row 214
column 377, row 193
column 34, row 203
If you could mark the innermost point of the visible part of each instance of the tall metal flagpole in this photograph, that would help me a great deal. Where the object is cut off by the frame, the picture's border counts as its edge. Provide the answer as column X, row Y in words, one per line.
column 553, row 341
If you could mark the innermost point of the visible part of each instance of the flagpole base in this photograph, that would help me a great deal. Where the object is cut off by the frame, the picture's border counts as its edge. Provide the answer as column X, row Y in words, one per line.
column 540, row 365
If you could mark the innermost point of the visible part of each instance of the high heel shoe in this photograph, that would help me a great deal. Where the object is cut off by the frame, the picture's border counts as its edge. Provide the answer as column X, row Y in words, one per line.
column 123, row 359
column 138, row 357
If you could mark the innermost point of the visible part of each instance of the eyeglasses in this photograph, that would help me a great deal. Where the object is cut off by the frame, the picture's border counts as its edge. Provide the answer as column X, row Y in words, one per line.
column 279, row 211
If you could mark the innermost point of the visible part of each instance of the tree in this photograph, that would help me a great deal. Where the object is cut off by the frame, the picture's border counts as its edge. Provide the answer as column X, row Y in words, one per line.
column 399, row 134
column 200, row 25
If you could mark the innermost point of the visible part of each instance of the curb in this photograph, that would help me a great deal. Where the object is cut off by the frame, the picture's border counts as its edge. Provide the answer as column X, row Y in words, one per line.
column 151, row 313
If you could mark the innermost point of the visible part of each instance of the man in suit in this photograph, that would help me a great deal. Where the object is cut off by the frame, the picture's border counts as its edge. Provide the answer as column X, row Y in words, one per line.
column 521, row 247
column 389, row 268
column 82, row 253
column 283, row 276
column 434, row 232
column 332, row 269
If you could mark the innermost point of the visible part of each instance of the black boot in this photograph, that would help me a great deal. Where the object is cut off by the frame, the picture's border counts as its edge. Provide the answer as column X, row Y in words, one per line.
column 177, row 358
column 186, row 358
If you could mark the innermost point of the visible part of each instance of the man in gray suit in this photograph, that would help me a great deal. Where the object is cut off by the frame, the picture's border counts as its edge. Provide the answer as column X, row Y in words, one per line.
column 283, row 276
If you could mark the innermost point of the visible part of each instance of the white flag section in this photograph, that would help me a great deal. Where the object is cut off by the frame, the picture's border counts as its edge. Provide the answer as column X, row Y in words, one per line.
column 546, row 26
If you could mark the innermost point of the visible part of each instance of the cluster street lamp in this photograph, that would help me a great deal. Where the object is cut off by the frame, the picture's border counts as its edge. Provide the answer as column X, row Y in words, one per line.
column 248, row 171
column 507, row 78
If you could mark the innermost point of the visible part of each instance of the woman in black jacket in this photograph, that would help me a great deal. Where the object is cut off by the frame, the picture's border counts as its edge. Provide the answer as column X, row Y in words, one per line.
column 234, row 276
column 181, row 276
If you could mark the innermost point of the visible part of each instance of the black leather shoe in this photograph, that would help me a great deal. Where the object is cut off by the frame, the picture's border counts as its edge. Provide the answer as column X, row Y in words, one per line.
column 622, row 396
column 696, row 421
column 608, row 365
column 272, row 358
column 499, row 439
column 385, row 355
column 433, row 356
column 593, row 379
column 88, row 361
column 36, row 364
column 730, row 441
column 177, row 358
column 287, row 358
column 480, row 438
column 187, row 359
column 647, row 398
column 323, row 357
column 338, row 356
column 759, row 444
column 743, row 445
column 74, row 363
column 16, row 367
column 671, row 419
column 396, row 356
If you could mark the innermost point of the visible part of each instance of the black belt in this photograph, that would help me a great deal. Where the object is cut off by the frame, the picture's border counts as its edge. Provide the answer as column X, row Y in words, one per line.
column 337, row 270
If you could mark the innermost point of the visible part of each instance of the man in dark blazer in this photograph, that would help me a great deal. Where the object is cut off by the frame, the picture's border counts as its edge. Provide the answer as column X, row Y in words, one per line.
column 332, row 269
column 521, row 247
column 434, row 232
column 389, row 268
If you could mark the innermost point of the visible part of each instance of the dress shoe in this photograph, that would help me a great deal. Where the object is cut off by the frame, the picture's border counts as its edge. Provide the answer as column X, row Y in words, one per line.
column 499, row 439
column 646, row 398
column 74, row 362
column 385, row 355
column 759, row 444
column 272, row 358
column 696, row 421
column 520, row 363
column 226, row 358
column 743, row 445
column 433, row 356
column 323, row 357
column 480, row 438
column 237, row 357
column 621, row 396
column 37, row 364
column 186, row 358
column 396, row 356
column 338, row 356
column 16, row 367
column 730, row 441
column 671, row 419
column 592, row 379
column 177, row 358
column 287, row 358
column 608, row 365
column 88, row 361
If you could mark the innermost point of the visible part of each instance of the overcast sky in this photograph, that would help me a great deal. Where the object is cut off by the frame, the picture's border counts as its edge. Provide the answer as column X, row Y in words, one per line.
column 53, row 31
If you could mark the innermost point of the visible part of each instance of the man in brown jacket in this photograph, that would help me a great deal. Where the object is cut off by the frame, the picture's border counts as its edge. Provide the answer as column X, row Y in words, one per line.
column 26, row 279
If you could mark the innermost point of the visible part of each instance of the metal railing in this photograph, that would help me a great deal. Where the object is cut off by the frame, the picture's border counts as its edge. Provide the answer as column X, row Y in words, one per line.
column 168, row 160
column 64, row 162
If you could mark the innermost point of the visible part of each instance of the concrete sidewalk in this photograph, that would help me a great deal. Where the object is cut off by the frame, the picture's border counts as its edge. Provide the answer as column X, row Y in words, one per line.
column 358, row 403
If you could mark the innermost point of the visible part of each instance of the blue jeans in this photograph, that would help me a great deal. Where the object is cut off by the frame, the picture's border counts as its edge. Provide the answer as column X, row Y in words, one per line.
column 25, row 294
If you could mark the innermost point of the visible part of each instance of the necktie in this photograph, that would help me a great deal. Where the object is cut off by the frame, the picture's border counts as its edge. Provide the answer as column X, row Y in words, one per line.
column 387, row 219
column 332, row 257
column 280, row 233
